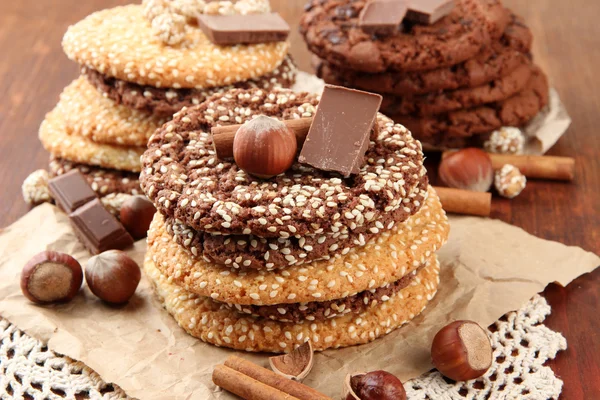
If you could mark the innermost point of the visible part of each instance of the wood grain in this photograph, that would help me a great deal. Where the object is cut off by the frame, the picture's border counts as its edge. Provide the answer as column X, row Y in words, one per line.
column 34, row 70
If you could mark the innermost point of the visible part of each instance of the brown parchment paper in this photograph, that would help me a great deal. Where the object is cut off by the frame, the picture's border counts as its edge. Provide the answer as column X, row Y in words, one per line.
column 488, row 269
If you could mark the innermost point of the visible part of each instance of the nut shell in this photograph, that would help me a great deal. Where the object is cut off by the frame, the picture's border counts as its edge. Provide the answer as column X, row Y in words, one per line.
column 112, row 276
column 295, row 365
column 136, row 215
column 468, row 169
column 462, row 351
column 264, row 147
column 51, row 277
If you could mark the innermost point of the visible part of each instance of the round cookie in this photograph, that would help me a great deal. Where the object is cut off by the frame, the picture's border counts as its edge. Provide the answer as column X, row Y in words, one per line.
column 439, row 103
column 515, row 111
column 81, row 150
column 493, row 62
column 119, row 42
column 166, row 101
column 385, row 259
column 249, row 251
column 186, row 181
column 89, row 114
column 209, row 321
column 331, row 31
column 103, row 181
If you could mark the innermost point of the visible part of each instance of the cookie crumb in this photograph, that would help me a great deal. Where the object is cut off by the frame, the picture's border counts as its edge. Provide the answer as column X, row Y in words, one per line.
column 35, row 188
column 506, row 140
column 114, row 201
column 509, row 181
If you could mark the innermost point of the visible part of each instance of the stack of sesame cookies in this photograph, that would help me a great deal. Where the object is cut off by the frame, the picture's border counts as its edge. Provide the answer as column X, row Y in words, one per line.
column 308, row 255
column 137, row 69
column 452, row 82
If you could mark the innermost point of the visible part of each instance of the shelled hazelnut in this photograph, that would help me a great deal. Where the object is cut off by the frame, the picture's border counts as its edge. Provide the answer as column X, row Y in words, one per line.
column 51, row 277
column 112, row 276
column 376, row 385
column 468, row 169
column 509, row 181
column 264, row 147
column 462, row 351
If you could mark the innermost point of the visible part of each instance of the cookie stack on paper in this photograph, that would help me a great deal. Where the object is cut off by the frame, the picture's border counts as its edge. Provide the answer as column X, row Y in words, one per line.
column 306, row 255
column 139, row 65
column 452, row 71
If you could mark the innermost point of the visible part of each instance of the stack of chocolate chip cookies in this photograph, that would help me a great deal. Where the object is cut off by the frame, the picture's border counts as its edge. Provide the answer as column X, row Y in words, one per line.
column 452, row 71
column 307, row 255
column 135, row 76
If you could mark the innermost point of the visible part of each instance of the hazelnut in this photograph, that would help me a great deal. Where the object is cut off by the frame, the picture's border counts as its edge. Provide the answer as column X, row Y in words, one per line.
column 295, row 365
column 136, row 215
column 376, row 385
column 462, row 351
column 509, row 181
column 112, row 276
column 51, row 277
column 468, row 169
column 264, row 147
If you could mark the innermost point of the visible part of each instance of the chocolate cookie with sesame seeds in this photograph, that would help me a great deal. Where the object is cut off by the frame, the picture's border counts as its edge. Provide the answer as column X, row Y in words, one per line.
column 59, row 143
column 89, row 114
column 186, row 181
column 331, row 30
column 493, row 62
column 249, row 251
column 384, row 259
column 164, row 102
column 119, row 42
column 103, row 181
column 213, row 323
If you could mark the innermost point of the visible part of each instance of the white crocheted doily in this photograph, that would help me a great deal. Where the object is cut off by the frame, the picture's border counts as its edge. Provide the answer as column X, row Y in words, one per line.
column 28, row 369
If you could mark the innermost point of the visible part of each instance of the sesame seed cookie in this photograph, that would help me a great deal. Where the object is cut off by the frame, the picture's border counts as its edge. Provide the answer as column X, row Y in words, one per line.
column 331, row 31
column 166, row 101
column 103, row 181
column 79, row 149
column 493, row 62
column 119, row 42
column 439, row 103
column 184, row 178
column 211, row 322
column 514, row 111
column 89, row 114
column 384, row 259
column 249, row 251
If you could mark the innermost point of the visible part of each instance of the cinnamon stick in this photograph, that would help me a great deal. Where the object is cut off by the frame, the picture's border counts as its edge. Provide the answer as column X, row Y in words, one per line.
column 540, row 167
column 270, row 378
column 465, row 202
column 246, row 387
column 223, row 135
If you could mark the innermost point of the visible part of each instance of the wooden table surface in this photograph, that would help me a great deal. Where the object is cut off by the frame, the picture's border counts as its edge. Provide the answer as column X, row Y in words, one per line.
column 34, row 70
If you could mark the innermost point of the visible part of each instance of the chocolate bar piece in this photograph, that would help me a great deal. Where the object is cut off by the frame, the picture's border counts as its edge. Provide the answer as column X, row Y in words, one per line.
column 71, row 190
column 339, row 135
column 382, row 17
column 248, row 29
column 98, row 229
column 428, row 11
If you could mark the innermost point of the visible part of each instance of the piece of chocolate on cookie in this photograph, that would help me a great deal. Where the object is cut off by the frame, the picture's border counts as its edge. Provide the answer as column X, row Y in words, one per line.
column 244, row 29
column 428, row 11
column 382, row 17
column 339, row 135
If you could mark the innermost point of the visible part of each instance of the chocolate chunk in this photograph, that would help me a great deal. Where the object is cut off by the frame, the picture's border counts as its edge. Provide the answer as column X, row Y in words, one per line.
column 382, row 17
column 71, row 191
column 238, row 29
column 98, row 229
column 428, row 11
column 339, row 135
